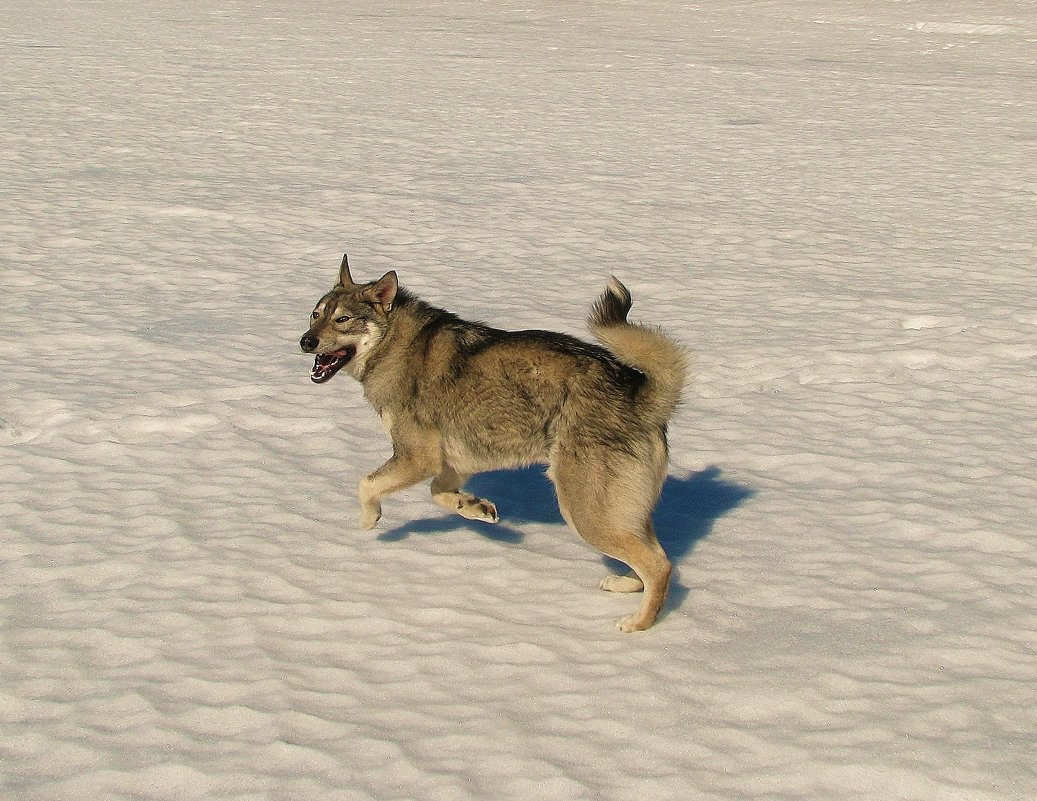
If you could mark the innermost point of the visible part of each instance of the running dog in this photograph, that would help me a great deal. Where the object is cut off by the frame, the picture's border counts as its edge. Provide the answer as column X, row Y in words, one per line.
column 458, row 398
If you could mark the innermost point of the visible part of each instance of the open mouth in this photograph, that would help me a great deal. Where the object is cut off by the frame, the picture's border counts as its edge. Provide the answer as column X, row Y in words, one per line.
column 327, row 364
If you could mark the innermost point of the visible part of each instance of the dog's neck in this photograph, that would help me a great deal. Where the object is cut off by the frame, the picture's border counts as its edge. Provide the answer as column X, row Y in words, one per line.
column 406, row 324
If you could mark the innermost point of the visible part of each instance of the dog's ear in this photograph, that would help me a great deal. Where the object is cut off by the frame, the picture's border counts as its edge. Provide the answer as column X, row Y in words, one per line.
column 344, row 278
column 383, row 291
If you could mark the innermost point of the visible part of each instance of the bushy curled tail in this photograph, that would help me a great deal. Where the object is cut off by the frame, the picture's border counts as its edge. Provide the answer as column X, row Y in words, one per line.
column 664, row 362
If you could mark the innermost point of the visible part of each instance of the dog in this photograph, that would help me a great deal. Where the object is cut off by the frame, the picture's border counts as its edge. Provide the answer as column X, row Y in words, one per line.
column 458, row 398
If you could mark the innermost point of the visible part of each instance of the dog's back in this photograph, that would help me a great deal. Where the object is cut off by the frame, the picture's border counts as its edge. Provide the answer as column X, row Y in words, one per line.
column 501, row 398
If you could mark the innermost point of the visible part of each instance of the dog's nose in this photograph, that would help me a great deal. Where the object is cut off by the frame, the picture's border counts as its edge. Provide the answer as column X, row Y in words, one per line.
column 309, row 343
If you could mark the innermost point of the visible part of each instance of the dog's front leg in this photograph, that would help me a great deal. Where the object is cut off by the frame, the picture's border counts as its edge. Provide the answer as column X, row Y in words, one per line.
column 446, row 491
column 396, row 474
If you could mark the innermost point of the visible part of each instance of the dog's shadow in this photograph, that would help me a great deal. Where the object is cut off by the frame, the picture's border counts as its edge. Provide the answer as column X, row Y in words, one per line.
column 521, row 496
column 687, row 510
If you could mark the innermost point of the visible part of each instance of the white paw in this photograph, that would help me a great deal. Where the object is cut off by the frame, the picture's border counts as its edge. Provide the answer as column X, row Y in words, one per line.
column 478, row 509
column 486, row 512
column 614, row 583
column 369, row 517
column 631, row 623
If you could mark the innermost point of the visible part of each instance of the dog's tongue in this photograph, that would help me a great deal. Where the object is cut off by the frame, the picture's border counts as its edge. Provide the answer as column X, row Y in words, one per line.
column 327, row 364
column 321, row 371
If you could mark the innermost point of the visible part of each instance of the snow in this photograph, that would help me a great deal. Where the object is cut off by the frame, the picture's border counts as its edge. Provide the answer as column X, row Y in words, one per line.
column 831, row 203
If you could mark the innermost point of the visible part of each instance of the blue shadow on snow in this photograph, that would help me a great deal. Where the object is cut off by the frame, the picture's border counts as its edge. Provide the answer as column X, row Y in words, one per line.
column 687, row 509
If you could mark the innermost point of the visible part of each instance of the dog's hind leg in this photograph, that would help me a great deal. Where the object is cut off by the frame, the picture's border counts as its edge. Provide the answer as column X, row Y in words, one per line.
column 446, row 491
column 651, row 570
column 613, row 515
column 629, row 582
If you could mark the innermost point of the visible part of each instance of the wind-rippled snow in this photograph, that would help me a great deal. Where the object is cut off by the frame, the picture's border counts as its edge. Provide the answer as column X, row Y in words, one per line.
column 832, row 204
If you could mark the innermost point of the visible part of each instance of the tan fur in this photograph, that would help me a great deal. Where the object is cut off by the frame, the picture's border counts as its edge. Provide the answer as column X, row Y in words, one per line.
column 459, row 398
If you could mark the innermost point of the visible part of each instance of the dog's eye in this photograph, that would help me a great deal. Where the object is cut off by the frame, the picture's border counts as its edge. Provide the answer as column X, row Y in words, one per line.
column 315, row 315
column 343, row 320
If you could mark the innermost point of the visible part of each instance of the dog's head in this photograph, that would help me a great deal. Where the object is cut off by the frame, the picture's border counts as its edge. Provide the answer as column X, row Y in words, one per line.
column 348, row 323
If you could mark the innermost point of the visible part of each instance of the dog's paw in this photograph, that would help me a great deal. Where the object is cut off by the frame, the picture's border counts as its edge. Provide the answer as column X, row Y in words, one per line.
column 487, row 512
column 628, row 583
column 369, row 517
column 632, row 623
column 478, row 509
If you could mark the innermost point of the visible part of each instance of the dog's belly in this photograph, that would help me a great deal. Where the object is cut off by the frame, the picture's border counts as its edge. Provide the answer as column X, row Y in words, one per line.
column 495, row 453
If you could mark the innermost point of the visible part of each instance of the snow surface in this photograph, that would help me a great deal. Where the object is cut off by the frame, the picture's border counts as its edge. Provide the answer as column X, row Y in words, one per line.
column 832, row 203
